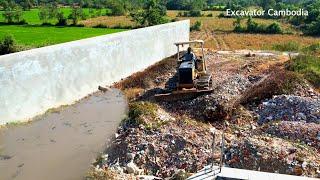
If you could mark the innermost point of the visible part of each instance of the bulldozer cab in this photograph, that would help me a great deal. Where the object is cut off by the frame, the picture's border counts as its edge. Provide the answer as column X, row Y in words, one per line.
column 191, row 78
column 198, row 51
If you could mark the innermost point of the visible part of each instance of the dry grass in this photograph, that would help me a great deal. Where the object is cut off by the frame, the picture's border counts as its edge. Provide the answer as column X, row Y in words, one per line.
column 110, row 21
column 235, row 41
column 224, row 24
column 145, row 79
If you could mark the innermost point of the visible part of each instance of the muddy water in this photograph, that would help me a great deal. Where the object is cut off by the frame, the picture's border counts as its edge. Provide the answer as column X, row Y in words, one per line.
column 61, row 145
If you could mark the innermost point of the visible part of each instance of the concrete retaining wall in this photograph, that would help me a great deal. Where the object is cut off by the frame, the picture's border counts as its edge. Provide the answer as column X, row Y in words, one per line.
column 34, row 81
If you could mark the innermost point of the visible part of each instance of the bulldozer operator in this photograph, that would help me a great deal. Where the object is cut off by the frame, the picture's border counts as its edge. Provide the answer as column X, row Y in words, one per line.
column 189, row 55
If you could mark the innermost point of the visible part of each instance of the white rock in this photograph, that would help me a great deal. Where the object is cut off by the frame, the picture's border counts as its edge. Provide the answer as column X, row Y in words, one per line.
column 131, row 168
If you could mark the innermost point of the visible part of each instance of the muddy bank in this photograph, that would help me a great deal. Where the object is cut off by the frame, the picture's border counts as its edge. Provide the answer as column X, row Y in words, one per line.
column 61, row 144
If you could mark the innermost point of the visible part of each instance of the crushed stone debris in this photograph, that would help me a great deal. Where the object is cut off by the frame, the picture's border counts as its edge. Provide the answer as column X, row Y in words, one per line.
column 289, row 108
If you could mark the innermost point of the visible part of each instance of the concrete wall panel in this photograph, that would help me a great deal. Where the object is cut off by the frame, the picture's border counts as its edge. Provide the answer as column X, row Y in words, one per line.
column 34, row 81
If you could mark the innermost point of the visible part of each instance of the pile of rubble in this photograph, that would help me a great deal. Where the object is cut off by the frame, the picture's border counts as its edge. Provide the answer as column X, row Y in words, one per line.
column 272, row 154
column 172, row 142
column 174, row 146
column 215, row 105
column 308, row 133
column 289, row 108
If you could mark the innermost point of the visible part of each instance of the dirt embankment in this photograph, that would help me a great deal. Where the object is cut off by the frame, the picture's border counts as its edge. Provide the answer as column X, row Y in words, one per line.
column 271, row 119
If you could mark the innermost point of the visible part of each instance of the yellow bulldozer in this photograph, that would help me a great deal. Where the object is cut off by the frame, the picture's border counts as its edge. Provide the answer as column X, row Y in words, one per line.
column 191, row 78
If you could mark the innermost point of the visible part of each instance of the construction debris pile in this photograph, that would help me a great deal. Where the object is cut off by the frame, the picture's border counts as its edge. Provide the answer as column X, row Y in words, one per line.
column 213, row 106
column 307, row 133
column 163, row 152
column 170, row 140
column 270, row 154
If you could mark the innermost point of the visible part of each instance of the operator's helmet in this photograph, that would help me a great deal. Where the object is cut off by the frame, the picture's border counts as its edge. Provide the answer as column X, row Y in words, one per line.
column 189, row 49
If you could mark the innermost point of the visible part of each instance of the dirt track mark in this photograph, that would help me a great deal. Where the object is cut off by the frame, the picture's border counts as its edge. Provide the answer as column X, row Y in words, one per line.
column 218, row 45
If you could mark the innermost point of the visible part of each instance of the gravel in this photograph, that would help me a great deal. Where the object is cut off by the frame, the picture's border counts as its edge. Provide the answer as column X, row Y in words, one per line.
column 289, row 108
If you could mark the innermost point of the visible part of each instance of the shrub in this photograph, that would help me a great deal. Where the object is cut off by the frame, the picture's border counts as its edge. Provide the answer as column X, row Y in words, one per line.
column 307, row 65
column 274, row 28
column 196, row 27
column 221, row 15
column 62, row 21
column 237, row 25
column 313, row 28
column 7, row 45
column 253, row 27
column 312, row 49
column 140, row 112
column 180, row 14
column 210, row 15
column 195, row 13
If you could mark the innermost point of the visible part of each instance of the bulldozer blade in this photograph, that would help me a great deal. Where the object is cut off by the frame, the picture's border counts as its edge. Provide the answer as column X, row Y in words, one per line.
column 181, row 95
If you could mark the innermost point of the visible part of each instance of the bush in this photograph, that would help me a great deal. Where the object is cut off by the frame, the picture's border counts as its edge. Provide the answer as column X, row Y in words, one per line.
column 274, row 28
column 237, row 25
column 62, row 21
column 140, row 113
column 253, row 27
column 7, row 45
column 313, row 28
column 196, row 27
column 210, row 15
column 312, row 49
column 195, row 13
column 307, row 65
column 221, row 15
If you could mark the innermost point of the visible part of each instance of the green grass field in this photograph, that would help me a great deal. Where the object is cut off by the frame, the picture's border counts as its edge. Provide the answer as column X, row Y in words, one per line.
column 37, row 36
column 32, row 16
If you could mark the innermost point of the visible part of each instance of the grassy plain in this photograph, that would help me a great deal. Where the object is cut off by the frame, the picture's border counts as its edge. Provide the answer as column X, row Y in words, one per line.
column 34, row 35
column 32, row 16
column 37, row 36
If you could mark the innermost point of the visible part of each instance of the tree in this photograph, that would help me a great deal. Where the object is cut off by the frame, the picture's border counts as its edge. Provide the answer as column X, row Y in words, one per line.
column 12, row 13
column 26, row 4
column 237, row 25
column 76, row 14
column 62, row 21
column 48, row 12
column 153, row 13
column 267, row 4
column 7, row 45
column 117, row 7
column 4, row 4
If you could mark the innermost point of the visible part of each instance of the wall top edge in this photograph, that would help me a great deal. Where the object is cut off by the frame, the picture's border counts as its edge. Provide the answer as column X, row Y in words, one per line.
column 77, row 42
